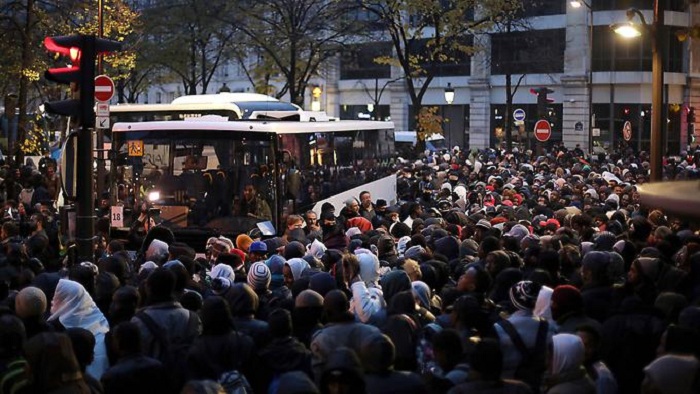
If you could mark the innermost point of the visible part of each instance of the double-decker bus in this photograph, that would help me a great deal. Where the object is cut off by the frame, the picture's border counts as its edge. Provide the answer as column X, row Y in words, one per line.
column 198, row 170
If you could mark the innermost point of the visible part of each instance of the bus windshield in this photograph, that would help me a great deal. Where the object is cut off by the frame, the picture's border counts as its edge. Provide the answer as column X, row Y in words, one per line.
column 214, row 176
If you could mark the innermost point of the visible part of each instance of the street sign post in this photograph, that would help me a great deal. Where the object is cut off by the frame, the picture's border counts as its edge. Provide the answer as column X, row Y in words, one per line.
column 104, row 88
column 519, row 115
column 543, row 130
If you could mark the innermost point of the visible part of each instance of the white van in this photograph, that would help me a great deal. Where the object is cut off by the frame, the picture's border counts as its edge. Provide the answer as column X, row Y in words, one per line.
column 405, row 142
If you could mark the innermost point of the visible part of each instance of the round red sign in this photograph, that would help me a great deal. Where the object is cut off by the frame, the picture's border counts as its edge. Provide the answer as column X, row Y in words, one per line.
column 104, row 88
column 543, row 130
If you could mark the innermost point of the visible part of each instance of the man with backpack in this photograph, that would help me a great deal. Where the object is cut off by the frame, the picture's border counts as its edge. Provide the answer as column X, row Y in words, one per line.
column 524, row 337
column 167, row 329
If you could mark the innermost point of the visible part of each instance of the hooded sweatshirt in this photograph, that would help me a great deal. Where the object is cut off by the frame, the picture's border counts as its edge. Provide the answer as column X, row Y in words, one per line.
column 367, row 303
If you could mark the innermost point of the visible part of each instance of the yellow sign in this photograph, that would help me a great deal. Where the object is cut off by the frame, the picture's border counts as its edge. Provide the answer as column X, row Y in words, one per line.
column 135, row 148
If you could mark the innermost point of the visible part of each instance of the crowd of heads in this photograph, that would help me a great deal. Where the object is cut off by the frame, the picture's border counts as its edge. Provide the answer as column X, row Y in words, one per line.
column 509, row 271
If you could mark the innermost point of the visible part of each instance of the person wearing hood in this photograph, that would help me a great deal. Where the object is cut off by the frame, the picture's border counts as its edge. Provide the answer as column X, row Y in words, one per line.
column 343, row 373
column 597, row 370
column 341, row 331
column 361, row 272
column 672, row 374
column 524, row 328
column 566, row 374
column 279, row 290
column 73, row 307
column 597, row 290
column 284, row 353
column 293, row 269
column 386, row 250
column 377, row 355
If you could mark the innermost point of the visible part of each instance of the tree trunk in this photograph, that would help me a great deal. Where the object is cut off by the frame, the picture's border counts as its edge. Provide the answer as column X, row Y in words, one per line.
column 508, row 119
column 27, row 41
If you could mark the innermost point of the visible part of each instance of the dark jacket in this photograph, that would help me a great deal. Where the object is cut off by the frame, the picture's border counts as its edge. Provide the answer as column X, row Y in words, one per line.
column 182, row 326
column 491, row 387
column 396, row 382
column 284, row 355
column 134, row 374
column 573, row 382
column 212, row 355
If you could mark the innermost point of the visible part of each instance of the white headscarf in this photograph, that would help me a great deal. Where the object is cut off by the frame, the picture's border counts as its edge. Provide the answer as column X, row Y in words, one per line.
column 74, row 307
column 543, row 305
column 297, row 266
column 223, row 271
column 567, row 354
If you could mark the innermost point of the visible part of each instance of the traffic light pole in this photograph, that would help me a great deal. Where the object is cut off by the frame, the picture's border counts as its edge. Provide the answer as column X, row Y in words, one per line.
column 85, row 218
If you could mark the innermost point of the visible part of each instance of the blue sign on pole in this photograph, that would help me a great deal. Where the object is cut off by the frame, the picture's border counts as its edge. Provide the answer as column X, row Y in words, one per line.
column 519, row 115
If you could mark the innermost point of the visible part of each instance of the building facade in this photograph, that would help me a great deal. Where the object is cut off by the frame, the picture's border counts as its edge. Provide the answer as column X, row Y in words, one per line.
column 601, row 82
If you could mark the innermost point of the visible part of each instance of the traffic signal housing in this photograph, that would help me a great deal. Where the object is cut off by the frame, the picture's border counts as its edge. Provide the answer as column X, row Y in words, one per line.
column 542, row 100
column 80, row 75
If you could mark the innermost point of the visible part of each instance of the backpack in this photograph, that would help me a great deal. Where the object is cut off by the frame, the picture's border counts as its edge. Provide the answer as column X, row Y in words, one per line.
column 234, row 382
column 172, row 355
column 533, row 364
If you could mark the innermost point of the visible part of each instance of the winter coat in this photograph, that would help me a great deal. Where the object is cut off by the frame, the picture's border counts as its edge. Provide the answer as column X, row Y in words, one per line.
column 134, row 374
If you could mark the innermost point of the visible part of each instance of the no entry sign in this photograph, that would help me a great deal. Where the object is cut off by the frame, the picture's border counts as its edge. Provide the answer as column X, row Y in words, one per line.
column 543, row 130
column 104, row 88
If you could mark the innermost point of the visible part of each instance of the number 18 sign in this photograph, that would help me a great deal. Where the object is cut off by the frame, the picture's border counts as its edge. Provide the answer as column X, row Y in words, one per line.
column 117, row 216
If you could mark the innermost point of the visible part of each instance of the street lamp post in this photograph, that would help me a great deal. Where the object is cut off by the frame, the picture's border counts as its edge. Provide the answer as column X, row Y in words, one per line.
column 578, row 4
column 657, row 79
column 449, row 98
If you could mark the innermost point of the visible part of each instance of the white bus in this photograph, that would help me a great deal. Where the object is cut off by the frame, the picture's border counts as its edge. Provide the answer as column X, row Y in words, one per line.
column 200, row 166
column 233, row 106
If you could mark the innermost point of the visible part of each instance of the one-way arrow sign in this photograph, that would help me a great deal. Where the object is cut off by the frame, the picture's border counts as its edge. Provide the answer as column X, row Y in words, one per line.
column 102, row 122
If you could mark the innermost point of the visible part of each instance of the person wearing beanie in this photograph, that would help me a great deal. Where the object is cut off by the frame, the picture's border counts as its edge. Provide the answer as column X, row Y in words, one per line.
column 566, row 305
column 523, row 327
column 279, row 290
column 259, row 277
column 30, row 307
column 243, row 242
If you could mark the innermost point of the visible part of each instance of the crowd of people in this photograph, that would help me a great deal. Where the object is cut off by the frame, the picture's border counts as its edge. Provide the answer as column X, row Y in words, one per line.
column 494, row 273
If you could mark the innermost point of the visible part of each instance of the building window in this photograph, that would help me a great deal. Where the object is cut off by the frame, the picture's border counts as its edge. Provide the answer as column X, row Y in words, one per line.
column 528, row 52
column 609, row 5
column 159, row 98
column 544, row 7
column 523, row 135
column 639, row 116
column 614, row 53
column 358, row 61
column 456, row 62
column 362, row 112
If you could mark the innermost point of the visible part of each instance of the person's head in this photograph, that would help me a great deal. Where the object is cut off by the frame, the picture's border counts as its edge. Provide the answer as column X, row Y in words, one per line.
column 249, row 192
column 83, row 345
column 353, row 205
column 311, row 218
column 280, row 321
column 30, row 302
column 447, row 346
column 216, row 316
column 590, row 336
column 336, row 306
column 294, row 222
column 566, row 354
column 12, row 336
column 486, row 359
column 365, row 199
column 37, row 221
column 160, row 285
column 257, row 251
column 566, row 299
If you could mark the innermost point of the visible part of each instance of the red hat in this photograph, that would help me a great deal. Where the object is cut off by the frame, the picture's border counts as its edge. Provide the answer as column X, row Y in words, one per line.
column 239, row 252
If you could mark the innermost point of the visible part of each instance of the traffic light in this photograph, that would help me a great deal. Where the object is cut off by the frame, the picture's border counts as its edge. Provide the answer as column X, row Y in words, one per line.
column 542, row 100
column 80, row 75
